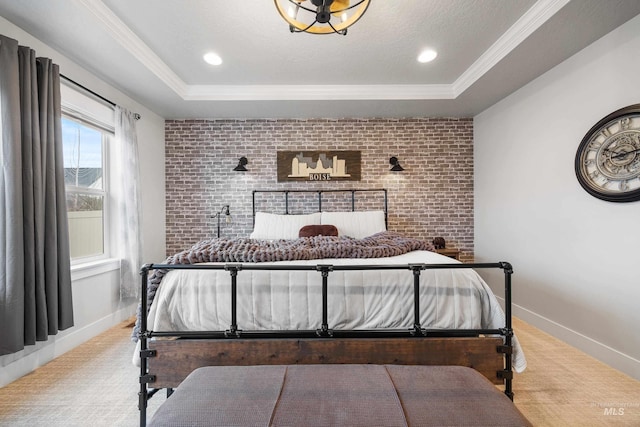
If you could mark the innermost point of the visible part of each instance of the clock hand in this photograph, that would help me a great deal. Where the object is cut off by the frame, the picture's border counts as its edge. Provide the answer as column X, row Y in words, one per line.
column 624, row 154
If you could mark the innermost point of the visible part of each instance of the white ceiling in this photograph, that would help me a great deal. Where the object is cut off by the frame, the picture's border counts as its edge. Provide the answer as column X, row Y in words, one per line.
column 152, row 51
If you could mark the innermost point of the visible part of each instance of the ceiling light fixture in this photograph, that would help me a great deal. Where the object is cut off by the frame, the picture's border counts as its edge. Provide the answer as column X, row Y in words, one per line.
column 427, row 55
column 321, row 16
column 212, row 58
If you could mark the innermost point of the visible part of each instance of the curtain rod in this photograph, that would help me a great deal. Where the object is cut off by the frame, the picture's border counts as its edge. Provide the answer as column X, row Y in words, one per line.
column 97, row 95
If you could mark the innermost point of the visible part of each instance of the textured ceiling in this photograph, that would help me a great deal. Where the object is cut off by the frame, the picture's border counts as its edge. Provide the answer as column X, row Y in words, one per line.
column 152, row 51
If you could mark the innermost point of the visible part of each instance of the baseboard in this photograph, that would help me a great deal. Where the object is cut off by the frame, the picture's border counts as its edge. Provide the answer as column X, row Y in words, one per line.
column 610, row 356
column 36, row 356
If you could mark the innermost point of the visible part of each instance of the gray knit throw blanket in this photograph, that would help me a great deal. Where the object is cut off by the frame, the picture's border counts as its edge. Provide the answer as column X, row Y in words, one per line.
column 380, row 245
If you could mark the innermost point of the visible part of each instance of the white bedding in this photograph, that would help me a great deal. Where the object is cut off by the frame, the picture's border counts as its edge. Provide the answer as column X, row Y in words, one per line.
column 278, row 300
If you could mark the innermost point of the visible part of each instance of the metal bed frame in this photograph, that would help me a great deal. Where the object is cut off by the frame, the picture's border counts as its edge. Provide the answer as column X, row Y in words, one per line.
column 487, row 350
column 320, row 193
column 165, row 363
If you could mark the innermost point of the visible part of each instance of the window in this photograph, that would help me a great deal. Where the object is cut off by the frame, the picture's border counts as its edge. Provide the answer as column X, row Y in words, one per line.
column 85, row 174
column 87, row 130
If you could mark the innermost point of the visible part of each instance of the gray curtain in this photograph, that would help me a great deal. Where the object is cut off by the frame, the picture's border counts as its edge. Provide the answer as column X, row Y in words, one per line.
column 35, row 278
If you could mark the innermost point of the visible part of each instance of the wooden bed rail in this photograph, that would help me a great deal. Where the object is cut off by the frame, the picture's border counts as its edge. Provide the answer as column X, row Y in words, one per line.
column 175, row 360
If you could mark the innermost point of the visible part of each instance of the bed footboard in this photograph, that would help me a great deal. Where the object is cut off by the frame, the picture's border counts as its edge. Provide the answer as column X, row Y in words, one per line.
column 173, row 360
column 165, row 363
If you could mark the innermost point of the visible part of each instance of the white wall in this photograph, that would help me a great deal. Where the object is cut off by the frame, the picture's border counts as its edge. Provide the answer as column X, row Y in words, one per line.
column 96, row 301
column 575, row 257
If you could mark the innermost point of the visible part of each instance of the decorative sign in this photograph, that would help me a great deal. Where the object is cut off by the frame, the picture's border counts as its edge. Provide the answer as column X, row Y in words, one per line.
column 318, row 165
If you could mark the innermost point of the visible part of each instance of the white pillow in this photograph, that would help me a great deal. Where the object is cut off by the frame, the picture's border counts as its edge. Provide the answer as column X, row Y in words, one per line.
column 355, row 224
column 274, row 226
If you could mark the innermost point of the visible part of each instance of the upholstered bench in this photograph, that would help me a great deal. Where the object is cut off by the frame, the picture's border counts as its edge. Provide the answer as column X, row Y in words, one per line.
column 337, row 395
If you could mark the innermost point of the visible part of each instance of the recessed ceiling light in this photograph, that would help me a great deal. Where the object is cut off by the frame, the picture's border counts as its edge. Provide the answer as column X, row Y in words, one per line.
column 427, row 55
column 212, row 58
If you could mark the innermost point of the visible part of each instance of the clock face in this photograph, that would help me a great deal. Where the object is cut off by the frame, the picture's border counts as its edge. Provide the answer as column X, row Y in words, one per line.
column 608, row 158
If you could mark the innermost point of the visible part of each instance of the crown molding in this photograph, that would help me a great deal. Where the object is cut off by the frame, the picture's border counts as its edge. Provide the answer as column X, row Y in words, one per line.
column 535, row 17
column 316, row 92
column 120, row 32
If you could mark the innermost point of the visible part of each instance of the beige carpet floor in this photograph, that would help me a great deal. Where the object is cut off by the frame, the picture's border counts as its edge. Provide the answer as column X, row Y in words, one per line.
column 563, row 386
column 93, row 385
column 96, row 385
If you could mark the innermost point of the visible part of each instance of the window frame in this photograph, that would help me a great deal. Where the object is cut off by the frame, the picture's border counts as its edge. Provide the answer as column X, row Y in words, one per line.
column 89, row 115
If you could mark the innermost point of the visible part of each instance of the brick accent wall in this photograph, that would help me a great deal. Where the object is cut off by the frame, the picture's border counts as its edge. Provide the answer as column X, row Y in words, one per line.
column 432, row 197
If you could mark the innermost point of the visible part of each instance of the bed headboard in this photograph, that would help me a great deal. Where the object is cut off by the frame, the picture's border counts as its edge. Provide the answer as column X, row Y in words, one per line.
column 348, row 198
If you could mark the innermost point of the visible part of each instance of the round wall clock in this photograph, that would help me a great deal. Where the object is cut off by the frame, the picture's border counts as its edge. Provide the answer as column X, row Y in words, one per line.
column 608, row 158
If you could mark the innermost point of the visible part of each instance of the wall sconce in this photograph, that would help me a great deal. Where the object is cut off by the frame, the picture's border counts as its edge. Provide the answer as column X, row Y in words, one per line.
column 241, row 165
column 395, row 165
column 224, row 211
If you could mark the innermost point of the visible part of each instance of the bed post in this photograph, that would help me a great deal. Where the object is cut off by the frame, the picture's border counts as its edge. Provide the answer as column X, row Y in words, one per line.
column 324, row 331
column 508, row 333
column 144, row 377
column 286, row 202
column 417, row 327
column 386, row 203
column 253, row 204
column 233, row 271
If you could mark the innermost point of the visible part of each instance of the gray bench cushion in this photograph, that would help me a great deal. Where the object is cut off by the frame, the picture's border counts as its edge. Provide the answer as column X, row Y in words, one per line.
column 337, row 395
